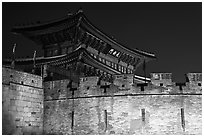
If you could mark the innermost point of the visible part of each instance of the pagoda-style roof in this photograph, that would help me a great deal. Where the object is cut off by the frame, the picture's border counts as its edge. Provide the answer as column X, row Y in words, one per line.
column 66, row 60
column 77, row 27
column 79, row 55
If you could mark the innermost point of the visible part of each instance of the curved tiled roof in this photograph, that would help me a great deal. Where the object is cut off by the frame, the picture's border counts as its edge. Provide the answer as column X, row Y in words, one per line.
column 114, row 41
column 84, row 20
column 72, row 57
column 44, row 25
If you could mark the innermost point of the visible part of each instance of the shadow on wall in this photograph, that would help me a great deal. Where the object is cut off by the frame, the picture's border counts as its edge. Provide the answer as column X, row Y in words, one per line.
column 8, row 127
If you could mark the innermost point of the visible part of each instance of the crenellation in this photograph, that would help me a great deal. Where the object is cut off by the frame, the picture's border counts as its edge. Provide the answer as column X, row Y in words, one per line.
column 194, row 77
column 87, row 107
column 21, row 78
column 161, row 79
column 124, row 81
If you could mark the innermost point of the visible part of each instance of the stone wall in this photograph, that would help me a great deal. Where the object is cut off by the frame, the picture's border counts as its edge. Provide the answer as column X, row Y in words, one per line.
column 22, row 103
column 90, row 108
column 161, row 79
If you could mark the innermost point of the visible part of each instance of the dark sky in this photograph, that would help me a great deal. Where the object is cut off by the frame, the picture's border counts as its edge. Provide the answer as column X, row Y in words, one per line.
column 173, row 31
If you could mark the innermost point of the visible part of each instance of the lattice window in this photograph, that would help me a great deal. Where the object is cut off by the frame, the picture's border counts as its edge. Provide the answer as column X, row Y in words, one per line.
column 99, row 59
column 122, row 68
column 111, row 51
column 117, row 55
column 125, row 70
column 112, row 64
column 128, row 71
column 103, row 60
column 119, row 67
column 114, row 53
column 108, row 63
column 115, row 66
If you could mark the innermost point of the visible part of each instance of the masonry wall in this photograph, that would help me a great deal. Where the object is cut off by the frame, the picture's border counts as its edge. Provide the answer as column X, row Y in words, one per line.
column 22, row 103
column 90, row 109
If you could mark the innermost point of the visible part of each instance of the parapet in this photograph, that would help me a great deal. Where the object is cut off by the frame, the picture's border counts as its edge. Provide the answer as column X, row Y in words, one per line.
column 19, row 77
column 194, row 77
column 123, row 81
column 89, row 81
column 194, row 81
column 161, row 79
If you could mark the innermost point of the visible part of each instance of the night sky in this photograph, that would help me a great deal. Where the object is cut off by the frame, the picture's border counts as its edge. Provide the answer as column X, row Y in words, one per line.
column 172, row 31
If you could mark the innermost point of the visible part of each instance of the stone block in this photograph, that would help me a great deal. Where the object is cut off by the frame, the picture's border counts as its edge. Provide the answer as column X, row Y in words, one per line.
column 17, row 103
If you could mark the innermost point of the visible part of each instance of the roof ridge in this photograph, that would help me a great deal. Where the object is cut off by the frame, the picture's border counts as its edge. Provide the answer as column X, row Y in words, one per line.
column 139, row 50
column 113, row 40
column 68, row 16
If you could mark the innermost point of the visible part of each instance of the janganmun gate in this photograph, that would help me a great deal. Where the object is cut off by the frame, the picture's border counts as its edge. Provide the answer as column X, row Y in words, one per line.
column 86, row 84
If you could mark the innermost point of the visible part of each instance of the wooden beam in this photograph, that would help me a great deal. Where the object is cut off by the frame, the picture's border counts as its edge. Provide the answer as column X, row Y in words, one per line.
column 86, row 40
column 62, row 35
column 55, row 38
column 125, row 58
column 107, row 48
column 121, row 56
column 79, row 34
column 103, row 46
column 129, row 59
column 132, row 61
column 93, row 42
column 97, row 45
column 66, row 35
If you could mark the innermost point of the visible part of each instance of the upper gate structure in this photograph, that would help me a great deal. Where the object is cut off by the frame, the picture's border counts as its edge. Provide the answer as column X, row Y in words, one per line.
column 73, row 46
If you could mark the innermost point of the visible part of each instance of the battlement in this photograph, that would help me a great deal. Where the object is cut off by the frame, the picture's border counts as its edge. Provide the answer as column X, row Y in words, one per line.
column 93, row 106
column 117, row 107
column 194, row 77
column 161, row 79
column 122, row 85
column 20, row 77
column 124, row 81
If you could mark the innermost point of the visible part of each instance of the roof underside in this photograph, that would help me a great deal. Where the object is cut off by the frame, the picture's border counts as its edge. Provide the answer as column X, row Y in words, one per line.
column 80, row 55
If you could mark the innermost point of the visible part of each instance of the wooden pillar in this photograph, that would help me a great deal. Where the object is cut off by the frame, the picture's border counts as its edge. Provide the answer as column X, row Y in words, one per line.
column 13, row 56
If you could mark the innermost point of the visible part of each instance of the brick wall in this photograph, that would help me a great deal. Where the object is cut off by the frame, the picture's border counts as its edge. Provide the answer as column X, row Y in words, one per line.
column 22, row 103
column 112, row 110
